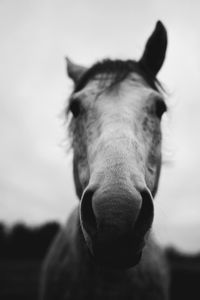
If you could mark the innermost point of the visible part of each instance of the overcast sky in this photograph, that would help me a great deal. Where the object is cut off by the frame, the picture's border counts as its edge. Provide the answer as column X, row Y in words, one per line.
column 35, row 169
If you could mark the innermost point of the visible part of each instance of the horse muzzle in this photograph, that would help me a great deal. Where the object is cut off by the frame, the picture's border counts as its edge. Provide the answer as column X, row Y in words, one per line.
column 115, row 222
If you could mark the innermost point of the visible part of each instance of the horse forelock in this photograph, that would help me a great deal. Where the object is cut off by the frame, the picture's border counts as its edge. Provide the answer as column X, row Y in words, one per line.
column 119, row 69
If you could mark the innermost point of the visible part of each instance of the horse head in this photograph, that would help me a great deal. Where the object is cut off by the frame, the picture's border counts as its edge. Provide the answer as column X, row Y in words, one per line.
column 116, row 109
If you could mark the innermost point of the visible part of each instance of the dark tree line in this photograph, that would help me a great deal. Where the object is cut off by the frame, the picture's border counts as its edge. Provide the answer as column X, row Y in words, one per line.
column 23, row 242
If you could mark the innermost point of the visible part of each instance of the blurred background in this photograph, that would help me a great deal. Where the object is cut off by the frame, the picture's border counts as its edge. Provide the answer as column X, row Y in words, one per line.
column 36, row 184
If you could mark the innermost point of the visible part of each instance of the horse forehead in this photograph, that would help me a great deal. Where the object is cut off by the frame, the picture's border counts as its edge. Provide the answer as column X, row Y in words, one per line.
column 107, row 83
column 133, row 87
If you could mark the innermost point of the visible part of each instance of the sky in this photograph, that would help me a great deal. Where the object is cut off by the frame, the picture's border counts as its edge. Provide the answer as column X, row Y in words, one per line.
column 36, row 183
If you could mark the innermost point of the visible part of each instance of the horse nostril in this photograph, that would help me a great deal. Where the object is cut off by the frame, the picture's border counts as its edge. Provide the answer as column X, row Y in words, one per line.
column 145, row 217
column 87, row 214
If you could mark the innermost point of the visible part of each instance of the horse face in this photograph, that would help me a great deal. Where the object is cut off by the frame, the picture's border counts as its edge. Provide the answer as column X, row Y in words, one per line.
column 117, row 150
column 117, row 157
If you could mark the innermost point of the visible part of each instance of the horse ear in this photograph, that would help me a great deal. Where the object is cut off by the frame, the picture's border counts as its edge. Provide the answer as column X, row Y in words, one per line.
column 74, row 71
column 155, row 49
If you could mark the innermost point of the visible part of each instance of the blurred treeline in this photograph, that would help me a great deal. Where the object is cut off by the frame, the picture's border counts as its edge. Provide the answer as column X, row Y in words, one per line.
column 22, row 242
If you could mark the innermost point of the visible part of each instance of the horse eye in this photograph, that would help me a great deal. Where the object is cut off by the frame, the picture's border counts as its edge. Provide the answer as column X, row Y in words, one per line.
column 75, row 107
column 160, row 108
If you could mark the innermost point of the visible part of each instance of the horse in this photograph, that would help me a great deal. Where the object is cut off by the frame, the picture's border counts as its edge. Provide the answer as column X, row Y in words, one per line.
column 106, row 250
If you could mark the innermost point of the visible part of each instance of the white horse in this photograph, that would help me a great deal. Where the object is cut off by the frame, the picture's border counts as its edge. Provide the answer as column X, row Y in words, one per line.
column 106, row 250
